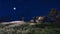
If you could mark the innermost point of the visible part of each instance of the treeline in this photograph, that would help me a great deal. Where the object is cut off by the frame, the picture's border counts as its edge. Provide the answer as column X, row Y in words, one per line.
column 54, row 16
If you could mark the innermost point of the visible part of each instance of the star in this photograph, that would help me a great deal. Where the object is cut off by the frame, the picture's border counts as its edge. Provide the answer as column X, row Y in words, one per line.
column 14, row 8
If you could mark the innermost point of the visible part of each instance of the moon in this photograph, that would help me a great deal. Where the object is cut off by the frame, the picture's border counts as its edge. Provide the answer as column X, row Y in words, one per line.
column 14, row 8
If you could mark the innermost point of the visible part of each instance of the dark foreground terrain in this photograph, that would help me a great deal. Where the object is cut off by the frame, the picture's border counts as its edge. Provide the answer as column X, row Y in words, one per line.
column 38, row 28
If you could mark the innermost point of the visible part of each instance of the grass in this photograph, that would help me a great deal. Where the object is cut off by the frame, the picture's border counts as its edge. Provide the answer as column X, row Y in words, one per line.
column 27, row 29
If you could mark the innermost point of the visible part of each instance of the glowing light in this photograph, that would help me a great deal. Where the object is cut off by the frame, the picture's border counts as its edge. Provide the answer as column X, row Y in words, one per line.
column 14, row 8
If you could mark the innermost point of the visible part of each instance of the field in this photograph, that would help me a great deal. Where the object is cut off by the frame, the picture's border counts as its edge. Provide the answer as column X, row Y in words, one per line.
column 38, row 28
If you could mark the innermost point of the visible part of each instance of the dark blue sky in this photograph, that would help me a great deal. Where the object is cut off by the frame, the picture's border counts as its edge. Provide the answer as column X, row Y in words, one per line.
column 27, row 8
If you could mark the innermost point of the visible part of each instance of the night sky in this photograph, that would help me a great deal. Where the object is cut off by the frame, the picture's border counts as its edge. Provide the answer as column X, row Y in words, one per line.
column 26, row 8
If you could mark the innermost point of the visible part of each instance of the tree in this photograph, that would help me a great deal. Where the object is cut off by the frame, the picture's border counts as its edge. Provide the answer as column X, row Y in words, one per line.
column 58, row 17
column 53, row 12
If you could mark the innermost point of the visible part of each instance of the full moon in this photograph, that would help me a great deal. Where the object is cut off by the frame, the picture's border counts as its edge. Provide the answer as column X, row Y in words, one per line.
column 14, row 8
